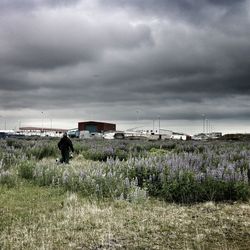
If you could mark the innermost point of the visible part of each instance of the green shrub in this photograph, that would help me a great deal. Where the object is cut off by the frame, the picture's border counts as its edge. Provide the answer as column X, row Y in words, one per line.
column 183, row 188
column 43, row 152
column 25, row 169
column 7, row 178
column 15, row 143
column 157, row 151
column 121, row 154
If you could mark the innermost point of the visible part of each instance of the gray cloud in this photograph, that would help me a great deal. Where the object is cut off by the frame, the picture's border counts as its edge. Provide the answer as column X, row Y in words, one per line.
column 173, row 59
column 47, row 42
column 30, row 5
column 200, row 12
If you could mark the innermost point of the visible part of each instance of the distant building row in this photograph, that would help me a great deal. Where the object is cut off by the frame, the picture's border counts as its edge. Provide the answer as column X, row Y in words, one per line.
column 95, row 129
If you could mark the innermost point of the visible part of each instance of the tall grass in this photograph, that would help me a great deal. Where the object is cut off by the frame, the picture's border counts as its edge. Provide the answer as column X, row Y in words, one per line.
column 183, row 172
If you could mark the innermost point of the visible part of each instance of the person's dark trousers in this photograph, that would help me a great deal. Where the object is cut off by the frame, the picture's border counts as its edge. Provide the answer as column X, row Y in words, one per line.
column 65, row 156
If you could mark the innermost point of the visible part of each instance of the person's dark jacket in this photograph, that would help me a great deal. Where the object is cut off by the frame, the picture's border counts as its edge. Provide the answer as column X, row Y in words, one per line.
column 65, row 144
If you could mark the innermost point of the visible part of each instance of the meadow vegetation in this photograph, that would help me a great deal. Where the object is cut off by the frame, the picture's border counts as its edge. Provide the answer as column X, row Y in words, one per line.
column 125, row 195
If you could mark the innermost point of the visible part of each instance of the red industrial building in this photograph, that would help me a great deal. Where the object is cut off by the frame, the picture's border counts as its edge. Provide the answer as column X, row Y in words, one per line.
column 96, row 127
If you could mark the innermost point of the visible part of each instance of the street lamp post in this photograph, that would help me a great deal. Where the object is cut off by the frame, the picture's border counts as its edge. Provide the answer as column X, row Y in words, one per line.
column 42, row 120
column 159, row 123
column 4, row 122
column 203, row 123
column 137, row 115
column 206, row 126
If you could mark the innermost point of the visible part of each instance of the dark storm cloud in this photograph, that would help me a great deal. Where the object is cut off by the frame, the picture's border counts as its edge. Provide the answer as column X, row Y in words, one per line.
column 173, row 59
column 15, row 84
column 199, row 11
column 204, row 85
column 26, row 5
column 47, row 41
column 184, row 6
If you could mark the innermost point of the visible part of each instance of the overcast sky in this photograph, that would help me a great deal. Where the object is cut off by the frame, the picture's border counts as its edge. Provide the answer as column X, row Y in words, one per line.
column 125, row 61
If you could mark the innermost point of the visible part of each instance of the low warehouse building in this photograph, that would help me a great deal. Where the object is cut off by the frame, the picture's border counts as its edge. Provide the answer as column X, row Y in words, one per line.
column 96, row 127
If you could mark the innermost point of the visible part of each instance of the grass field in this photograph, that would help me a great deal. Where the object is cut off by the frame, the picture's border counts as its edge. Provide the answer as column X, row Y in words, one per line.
column 33, row 217
column 44, row 205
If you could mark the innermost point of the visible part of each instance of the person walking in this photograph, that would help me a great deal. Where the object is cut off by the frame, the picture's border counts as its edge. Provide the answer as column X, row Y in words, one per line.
column 65, row 145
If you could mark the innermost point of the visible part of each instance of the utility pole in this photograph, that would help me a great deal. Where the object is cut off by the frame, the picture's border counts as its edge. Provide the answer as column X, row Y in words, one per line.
column 203, row 121
column 42, row 120
column 207, row 124
column 137, row 115
column 159, row 124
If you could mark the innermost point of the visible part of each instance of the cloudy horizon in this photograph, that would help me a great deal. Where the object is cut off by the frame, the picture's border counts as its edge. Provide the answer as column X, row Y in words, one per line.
column 125, row 61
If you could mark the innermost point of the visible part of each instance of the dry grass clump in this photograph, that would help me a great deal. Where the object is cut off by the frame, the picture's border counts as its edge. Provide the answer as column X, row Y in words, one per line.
column 50, row 219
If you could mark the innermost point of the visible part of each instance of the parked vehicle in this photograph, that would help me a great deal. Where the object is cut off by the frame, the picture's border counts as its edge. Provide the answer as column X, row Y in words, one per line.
column 114, row 135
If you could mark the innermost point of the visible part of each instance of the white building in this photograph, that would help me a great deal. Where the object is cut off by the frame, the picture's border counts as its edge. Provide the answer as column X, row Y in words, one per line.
column 43, row 132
